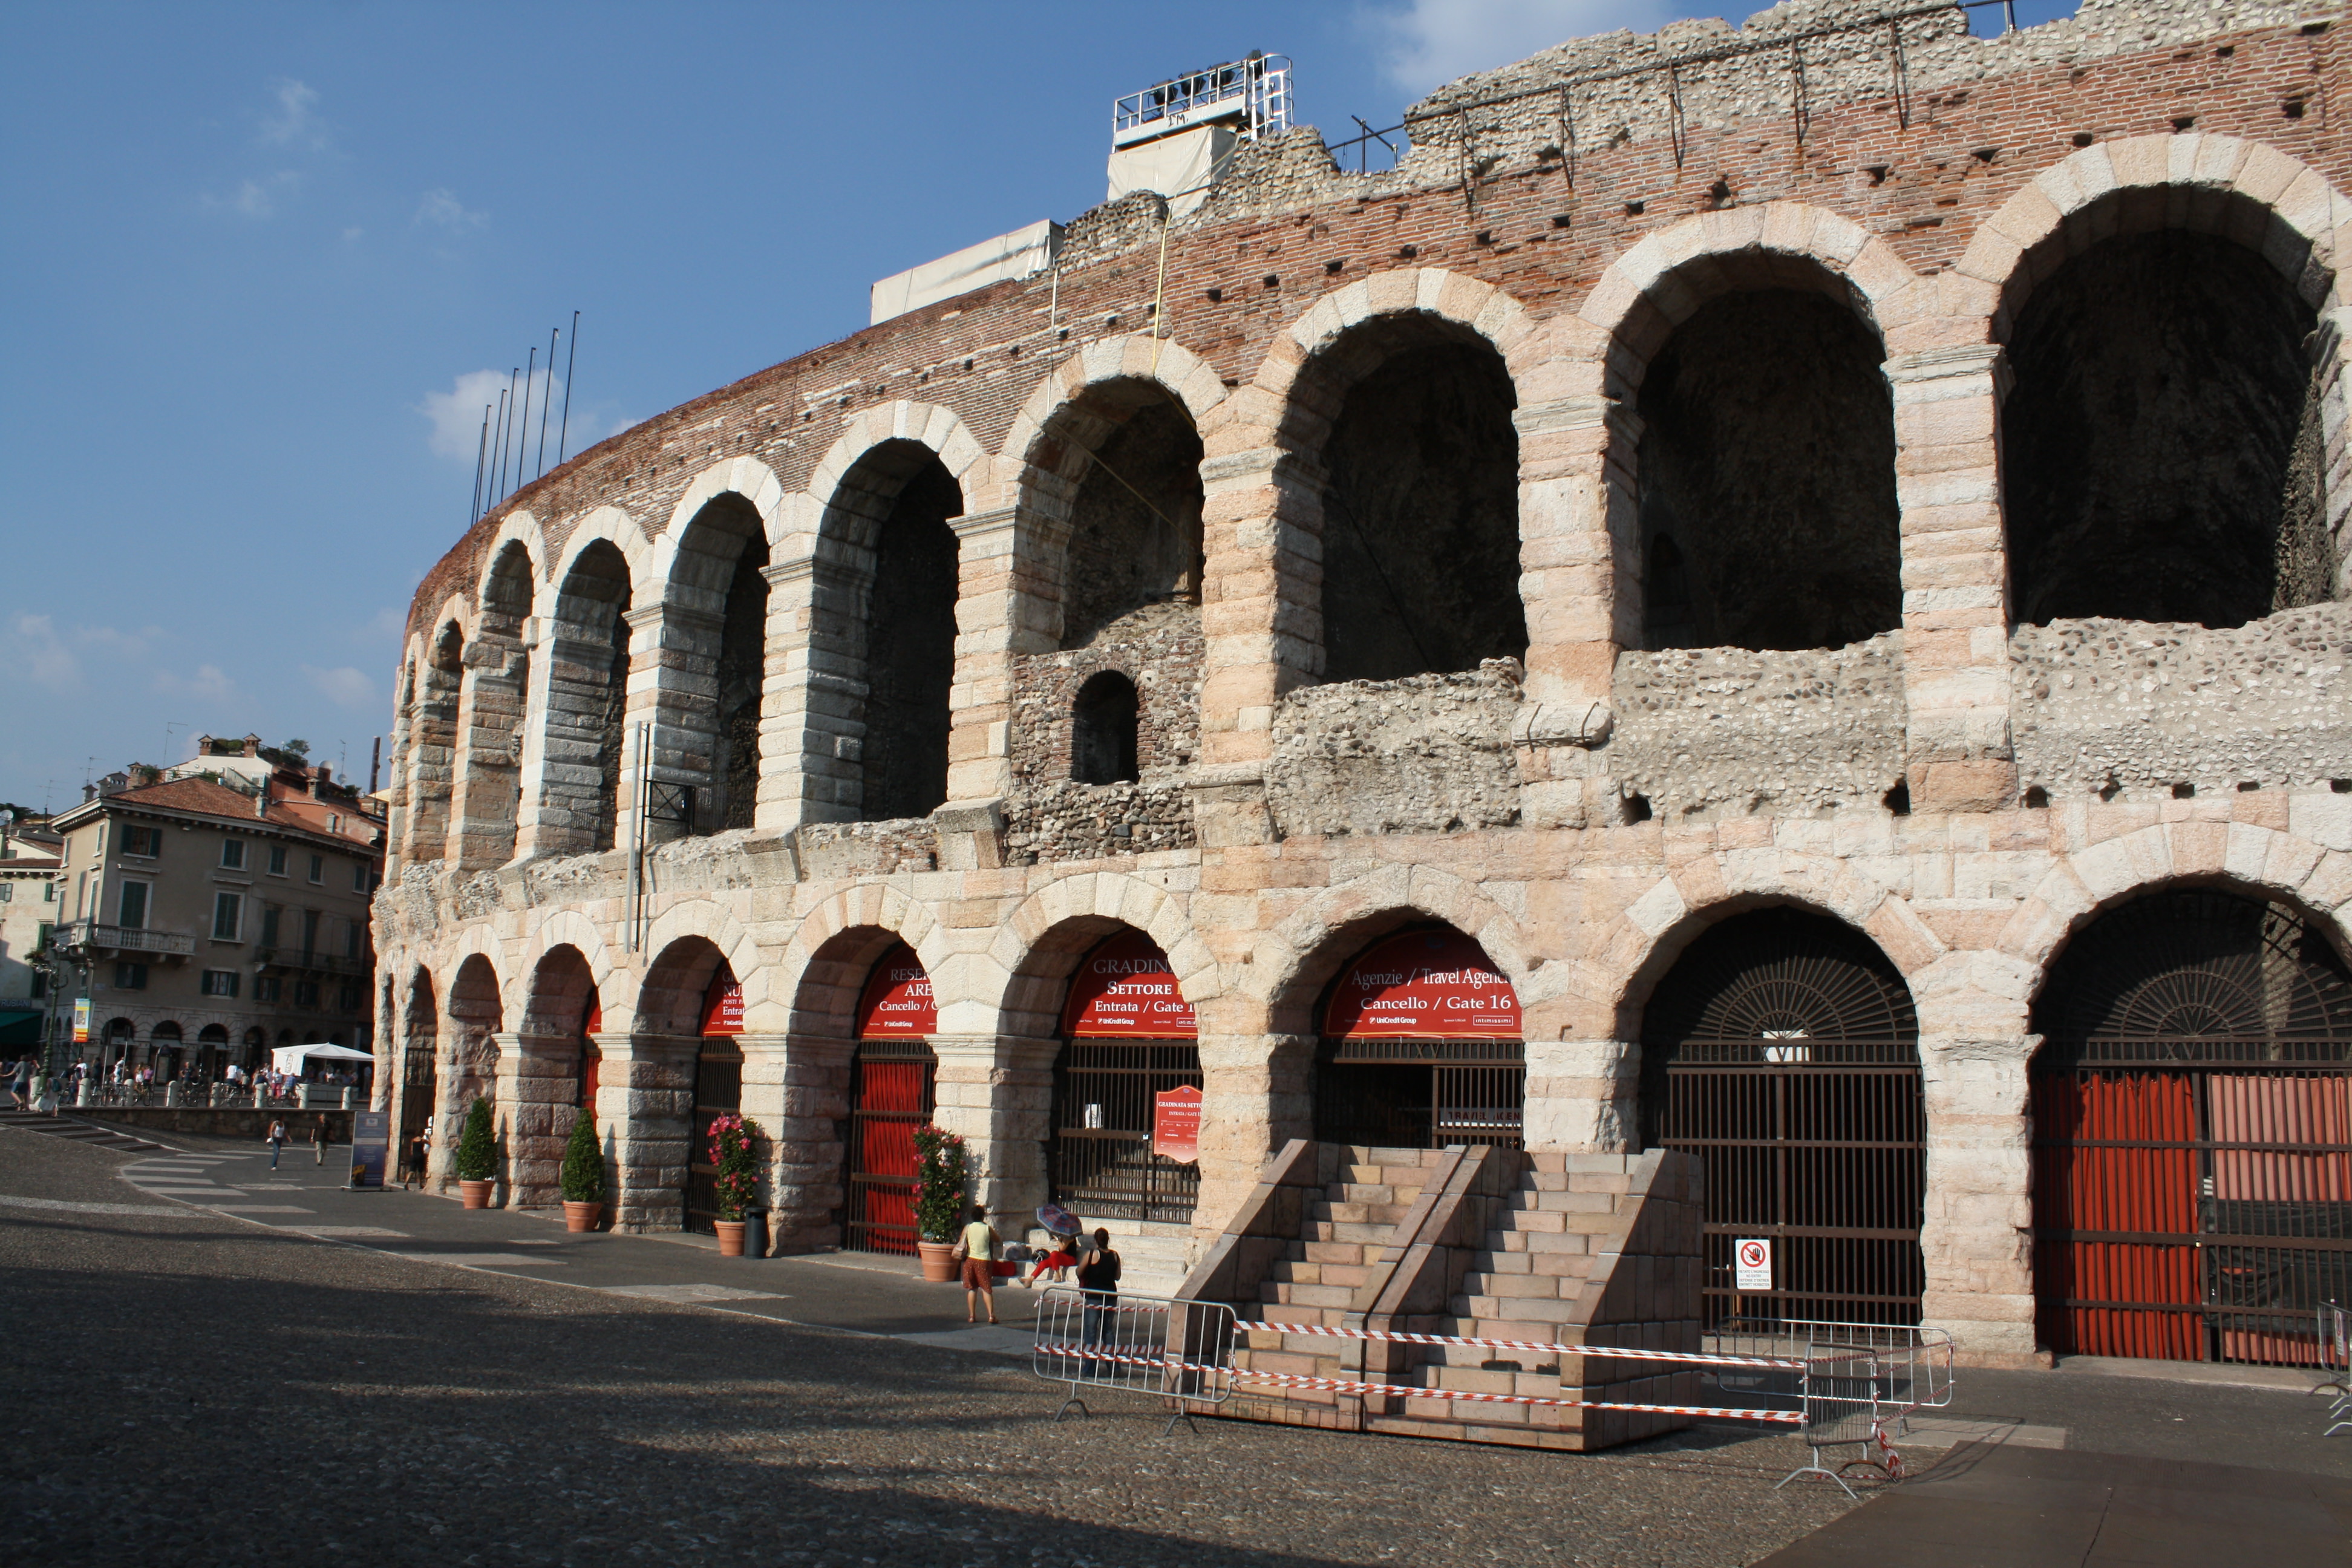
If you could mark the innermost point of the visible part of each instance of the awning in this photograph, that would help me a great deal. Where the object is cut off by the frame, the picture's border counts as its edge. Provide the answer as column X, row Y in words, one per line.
column 19, row 1027
column 288, row 1059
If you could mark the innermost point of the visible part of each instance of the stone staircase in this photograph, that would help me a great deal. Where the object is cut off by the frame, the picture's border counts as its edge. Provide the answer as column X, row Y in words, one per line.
column 1577, row 1250
column 66, row 1126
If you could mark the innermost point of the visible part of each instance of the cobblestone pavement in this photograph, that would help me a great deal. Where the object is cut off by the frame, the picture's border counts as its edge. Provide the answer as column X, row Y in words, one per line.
column 186, row 1387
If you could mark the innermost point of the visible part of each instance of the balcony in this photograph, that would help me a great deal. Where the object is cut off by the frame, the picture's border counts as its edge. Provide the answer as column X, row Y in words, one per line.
column 312, row 963
column 89, row 936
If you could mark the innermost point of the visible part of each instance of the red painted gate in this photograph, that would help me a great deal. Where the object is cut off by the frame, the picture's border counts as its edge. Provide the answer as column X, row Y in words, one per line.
column 892, row 1082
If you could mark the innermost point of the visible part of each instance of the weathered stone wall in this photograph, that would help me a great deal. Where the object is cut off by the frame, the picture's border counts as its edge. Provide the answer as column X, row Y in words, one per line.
column 2138, row 710
column 1731, row 730
column 1430, row 753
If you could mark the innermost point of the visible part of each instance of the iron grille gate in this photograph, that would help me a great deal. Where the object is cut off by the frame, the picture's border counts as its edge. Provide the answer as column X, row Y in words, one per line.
column 2192, row 1117
column 1101, row 1158
column 718, row 1092
column 1782, row 1050
column 893, row 1086
column 1421, row 1094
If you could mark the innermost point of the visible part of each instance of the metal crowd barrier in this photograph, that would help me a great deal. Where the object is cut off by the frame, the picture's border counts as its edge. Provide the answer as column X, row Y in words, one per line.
column 2336, row 1359
column 1150, row 1346
column 1840, row 1383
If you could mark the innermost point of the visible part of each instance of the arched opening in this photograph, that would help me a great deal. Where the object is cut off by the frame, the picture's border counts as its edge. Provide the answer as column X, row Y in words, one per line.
column 497, row 697
column 432, row 746
column 1767, row 477
column 1782, row 1051
column 1103, row 724
column 419, row 1063
column 1421, row 1047
column 477, row 1015
column 718, row 1092
column 255, row 1041
column 212, row 1052
column 588, row 678
column 1129, row 1043
column 118, row 1036
column 2161, row 449
column 2192, row 1133
column 165, row 1052
column 893, row 1087
column 716, row 646
column 1135, row 518
column 1420, row 514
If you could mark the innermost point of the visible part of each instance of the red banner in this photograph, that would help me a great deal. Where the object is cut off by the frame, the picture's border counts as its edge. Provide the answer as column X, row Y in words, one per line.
column 897, row 1004
column 1176, row 1125
column 1124, row 989
column 1423, row 986
column 722, row 1007
column 595, row 1023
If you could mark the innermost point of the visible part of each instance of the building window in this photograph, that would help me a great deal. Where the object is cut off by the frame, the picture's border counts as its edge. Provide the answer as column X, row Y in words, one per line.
column 48, row 892
column 359, row 876
column 41, row 939
column 131, row 910
column 318, row 870
column 228, row 914
column 232, row 854
column 144, row 842
column 266, row 987
column 278, row 859
column 310, row 931
column 40, row 985
column 7, row 892
column 270, row 925
column 220, row 982
column 354, row 937
column 306, row 993
column 130, row 977
column 351, row 996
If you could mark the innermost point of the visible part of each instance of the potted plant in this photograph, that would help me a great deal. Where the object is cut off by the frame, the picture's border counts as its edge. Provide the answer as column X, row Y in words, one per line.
column 737, row 1183
column 942, row 1171
column 584, row 1177
column 478, row 1156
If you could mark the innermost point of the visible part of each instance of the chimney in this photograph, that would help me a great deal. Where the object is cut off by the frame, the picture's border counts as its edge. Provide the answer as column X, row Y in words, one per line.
column 252, row 746
column 321, row 777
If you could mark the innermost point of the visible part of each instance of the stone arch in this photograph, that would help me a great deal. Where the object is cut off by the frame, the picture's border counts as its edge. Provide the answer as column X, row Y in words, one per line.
column 581, row 791
column 925, row 424
column 748, row 478
column 838, row 941
column 711, row 675
column 432, row 740
column 2119, row 279
column 1038, row 947
column 1298, row 958
column 494, row 719
column 670, row 999
column 476, row 1013
column 571, row 928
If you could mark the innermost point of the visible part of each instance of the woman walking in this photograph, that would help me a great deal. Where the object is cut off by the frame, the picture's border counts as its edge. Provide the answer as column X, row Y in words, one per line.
column 276, row 1136
column 979, row 1249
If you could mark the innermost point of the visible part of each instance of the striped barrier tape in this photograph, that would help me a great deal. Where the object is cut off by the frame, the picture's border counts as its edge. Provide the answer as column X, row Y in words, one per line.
column 1609, row 1352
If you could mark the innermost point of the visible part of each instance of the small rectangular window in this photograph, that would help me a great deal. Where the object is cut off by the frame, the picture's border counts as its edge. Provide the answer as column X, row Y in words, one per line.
column 309, row 931
column 359, row 876
column 144, row 842
column 306, row 993
column 232, row 854
column 278, row 859
column 317, row 869
column 48, row 892
column 350, row 997
column 220, row 982
column 40, row 985
column 41, row 941
column 355, row 938
column 130, row 977
column 131, row 911
column 7, row 892
column 228, row 914
column 266, row 987
column 270, row 913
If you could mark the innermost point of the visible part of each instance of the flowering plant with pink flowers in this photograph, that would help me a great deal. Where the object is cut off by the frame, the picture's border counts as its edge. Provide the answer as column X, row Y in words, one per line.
column 733, row 1149
column 942, row 1171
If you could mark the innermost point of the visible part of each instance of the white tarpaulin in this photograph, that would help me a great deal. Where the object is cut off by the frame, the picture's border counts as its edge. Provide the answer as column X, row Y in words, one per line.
column 1180, row 167
column 288, row 1059
column 1021, row 253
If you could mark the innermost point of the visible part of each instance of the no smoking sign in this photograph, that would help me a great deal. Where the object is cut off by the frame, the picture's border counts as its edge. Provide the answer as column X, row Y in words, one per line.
column 1751, row 1263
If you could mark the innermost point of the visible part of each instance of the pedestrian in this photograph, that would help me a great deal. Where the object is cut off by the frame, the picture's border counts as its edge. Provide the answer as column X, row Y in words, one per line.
column 413, row 1161
column 1098, row 1290
column 276, row 1136
column 20, row 1083
column 318, row 1142
column 977, row 1252
column 44, row 1100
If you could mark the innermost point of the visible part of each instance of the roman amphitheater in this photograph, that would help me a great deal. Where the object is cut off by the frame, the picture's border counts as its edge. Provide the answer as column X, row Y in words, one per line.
column 1770, row 601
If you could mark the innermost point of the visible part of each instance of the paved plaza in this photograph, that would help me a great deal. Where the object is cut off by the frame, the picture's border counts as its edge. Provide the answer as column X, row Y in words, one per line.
column 216, row 1363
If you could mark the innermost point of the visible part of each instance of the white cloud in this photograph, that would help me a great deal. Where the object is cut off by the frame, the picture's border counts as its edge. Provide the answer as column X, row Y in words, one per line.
column 296, row 123
column 207, row 683
column 257, row 198
column 1430, row 42
column 457, row 415
column 35, row 653
column 442, row 207
column 345, row 686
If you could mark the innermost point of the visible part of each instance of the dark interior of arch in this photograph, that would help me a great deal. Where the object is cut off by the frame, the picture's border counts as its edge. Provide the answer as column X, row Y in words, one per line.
column 1421, row 517
column 1102, row 731
column 593, row 608
column 1135, row 524
column 508, row 589
column 2160, row 438
column 449, row 652
column 1767, row 479
column 743, row 675
column 910, row 649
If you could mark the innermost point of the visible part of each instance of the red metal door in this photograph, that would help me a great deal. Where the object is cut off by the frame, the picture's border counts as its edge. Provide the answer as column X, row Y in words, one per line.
column 2115, row 1201
column 890, row 1095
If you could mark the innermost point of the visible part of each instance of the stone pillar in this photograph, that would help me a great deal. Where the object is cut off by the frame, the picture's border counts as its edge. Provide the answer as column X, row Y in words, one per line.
column 796, row 1087
column 812, row 706
column 1583, row 1096
column 1955, row 578
column 681, row 697
column 463, row 1068
column 537, row 830
column 1978, row 1237
column 999, row 613
column 489, row 754
column 1257, row 1092
column 997, row 1093
column 538, row 1079
column 432, row 757
column 645, row 1110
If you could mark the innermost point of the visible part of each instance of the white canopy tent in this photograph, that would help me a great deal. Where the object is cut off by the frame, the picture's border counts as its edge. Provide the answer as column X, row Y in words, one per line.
column 288, row 1059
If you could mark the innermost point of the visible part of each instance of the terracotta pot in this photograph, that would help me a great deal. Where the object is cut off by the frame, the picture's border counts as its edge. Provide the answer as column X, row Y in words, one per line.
column 474, row 1194
column 582, row 1216
column 939, row 1260
column 731, row 1237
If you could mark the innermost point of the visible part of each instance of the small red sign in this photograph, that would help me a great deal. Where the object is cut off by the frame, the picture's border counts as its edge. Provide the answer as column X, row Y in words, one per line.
column 897, row 1004
column 1423, row 986
column 1124, row 989
column 1176, row 1125
column 722, row 1007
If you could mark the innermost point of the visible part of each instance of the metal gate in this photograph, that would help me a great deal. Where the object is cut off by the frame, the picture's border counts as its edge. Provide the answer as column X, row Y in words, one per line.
column 892, row 1090
column 718, row 1092
column 417, row 1080
column 2192, row 1117
column 1782, row 1050
column 1421, row 1094
column 1101, row 1158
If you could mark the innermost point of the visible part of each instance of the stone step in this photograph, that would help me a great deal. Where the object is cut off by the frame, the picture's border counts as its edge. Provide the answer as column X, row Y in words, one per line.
column 1280, row 1292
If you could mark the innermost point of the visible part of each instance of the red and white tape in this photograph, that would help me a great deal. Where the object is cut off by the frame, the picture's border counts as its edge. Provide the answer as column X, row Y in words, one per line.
column 1606, row 1352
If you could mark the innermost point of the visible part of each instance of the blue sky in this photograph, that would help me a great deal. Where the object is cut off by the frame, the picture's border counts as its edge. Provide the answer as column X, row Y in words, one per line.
column 254, row 249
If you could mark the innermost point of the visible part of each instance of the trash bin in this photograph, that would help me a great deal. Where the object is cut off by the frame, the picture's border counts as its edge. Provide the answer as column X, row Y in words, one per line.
column 755, row 1233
